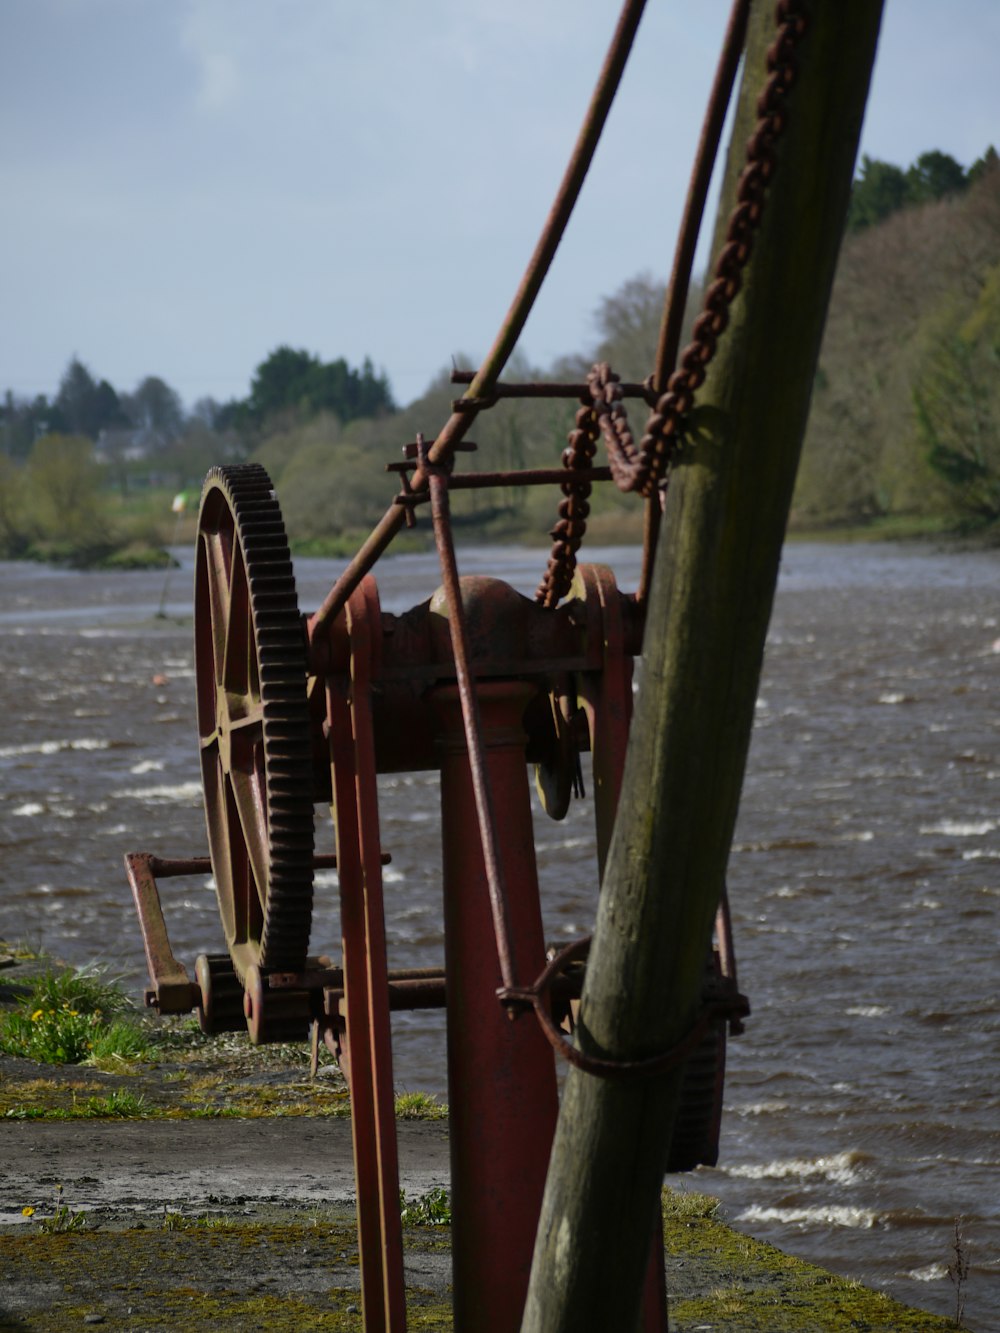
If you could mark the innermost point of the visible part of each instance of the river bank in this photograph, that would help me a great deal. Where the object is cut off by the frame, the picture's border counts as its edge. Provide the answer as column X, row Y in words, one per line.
column 210, row 1185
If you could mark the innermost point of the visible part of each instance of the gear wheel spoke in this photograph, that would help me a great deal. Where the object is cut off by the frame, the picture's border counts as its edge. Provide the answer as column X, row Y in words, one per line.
column 253, row 722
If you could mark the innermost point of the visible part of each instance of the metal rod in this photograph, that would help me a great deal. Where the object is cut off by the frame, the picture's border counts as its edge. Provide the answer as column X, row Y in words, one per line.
column 459, row 422
column 440, row 514
column 171, row 866
column 652, row 515
column 549, row 476
column 546, row 389
column 687, row 240
column 694, row 207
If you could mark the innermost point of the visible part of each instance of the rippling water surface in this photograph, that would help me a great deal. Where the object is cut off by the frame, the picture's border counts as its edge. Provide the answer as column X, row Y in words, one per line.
column 862, row 1102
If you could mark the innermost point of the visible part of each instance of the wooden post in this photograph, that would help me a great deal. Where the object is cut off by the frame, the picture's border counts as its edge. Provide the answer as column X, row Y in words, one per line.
column 713, row 586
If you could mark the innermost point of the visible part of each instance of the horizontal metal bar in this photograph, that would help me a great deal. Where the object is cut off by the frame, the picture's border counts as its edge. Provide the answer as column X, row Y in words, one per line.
column 168, row 867
column 503, row 389
column 332, row 978
column 480, row 481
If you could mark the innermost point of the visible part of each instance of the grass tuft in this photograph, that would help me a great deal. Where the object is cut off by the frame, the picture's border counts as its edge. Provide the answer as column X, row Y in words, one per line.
column 72, row 1017
column 419, row 1106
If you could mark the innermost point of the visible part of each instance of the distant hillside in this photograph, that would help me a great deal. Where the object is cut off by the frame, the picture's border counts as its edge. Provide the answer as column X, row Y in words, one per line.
column 905, row 419
column 905, row 416
column 906, row 410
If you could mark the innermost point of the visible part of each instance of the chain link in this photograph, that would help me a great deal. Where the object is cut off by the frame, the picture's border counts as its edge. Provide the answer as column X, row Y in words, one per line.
column 574, row 508
column 644, row 468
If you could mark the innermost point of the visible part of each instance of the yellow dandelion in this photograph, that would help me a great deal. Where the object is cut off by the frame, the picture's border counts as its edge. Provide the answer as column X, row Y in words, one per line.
column 39, row 1013
column 27, row 1211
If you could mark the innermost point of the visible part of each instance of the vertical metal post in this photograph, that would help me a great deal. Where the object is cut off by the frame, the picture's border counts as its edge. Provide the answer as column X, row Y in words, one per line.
column 501, row 1075
column 366, row 981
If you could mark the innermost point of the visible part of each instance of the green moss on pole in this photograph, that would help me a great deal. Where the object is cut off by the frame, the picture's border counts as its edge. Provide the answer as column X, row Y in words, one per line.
column 713, row 586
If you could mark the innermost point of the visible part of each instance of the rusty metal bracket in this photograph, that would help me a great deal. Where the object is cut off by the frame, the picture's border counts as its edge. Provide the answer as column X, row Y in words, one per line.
column 726, row 1005
column 172, row 990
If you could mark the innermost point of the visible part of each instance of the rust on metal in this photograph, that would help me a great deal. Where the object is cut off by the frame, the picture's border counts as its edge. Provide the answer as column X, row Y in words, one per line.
column 472, row 722
column 172, row 991
column 552, row 388
column 480, row 684
column 721, row 1003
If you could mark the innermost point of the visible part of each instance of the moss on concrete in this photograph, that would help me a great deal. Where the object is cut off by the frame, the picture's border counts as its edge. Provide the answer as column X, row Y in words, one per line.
column 747, row 1285
column 198, row 1274
column 300, row 1272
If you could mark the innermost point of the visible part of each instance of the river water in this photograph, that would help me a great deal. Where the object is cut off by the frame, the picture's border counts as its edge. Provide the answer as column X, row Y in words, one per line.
column 862, row 1102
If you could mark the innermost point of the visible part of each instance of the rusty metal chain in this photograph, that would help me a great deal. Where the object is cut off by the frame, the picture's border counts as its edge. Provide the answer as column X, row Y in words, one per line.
column 574, row 508
column 644, row 468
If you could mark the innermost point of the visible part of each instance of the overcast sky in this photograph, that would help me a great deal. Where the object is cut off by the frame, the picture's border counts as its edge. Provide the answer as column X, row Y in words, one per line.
column 187, row 184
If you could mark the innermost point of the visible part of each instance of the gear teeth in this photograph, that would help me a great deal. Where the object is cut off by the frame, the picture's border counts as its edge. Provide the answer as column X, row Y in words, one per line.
column 282, row 668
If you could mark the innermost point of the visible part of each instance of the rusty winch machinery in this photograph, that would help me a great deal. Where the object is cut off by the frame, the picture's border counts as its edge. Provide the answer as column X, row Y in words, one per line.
column 490, row 689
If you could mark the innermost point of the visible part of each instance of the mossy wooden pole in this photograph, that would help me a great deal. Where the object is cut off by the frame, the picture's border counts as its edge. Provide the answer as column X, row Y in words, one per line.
column 713, row 586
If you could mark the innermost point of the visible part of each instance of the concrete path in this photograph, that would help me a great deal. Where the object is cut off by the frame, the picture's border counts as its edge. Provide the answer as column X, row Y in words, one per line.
column 191, row 1164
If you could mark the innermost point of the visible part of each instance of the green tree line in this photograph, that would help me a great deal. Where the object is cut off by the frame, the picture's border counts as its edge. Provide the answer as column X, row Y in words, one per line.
column 74, row 467
column 882, row 188
column 905, row 418
column 904, row 426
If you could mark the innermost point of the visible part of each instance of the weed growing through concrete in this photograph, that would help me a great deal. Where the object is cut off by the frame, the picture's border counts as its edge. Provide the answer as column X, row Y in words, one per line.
column 419, row 1106
column 63, row 1219
column 432, row 1209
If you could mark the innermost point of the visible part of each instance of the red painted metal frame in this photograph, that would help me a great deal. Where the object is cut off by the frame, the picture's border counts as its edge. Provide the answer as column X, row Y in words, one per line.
column 367, row 1039
column 475, row 640
column 397, row 691
column 502, row 1092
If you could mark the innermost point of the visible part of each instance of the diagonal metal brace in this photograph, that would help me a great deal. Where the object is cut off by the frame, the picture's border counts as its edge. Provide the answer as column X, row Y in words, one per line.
column 173, row 991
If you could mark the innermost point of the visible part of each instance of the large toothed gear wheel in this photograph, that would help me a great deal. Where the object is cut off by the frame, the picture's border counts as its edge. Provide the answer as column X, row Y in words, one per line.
column 253, row 722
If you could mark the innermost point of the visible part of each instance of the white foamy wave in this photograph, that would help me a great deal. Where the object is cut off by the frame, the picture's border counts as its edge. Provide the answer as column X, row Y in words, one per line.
column 328, row 879
column 867, row 1010
column 858, row 1219
column 147, row 766
column 957, row 828
column 892, row 697
column 761, row 1108
column 52, row 747
column 981, row 854
column 564, row 845
column 183, row 791
column 841, row 1169
column 932, row 1273
column 29, row 808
